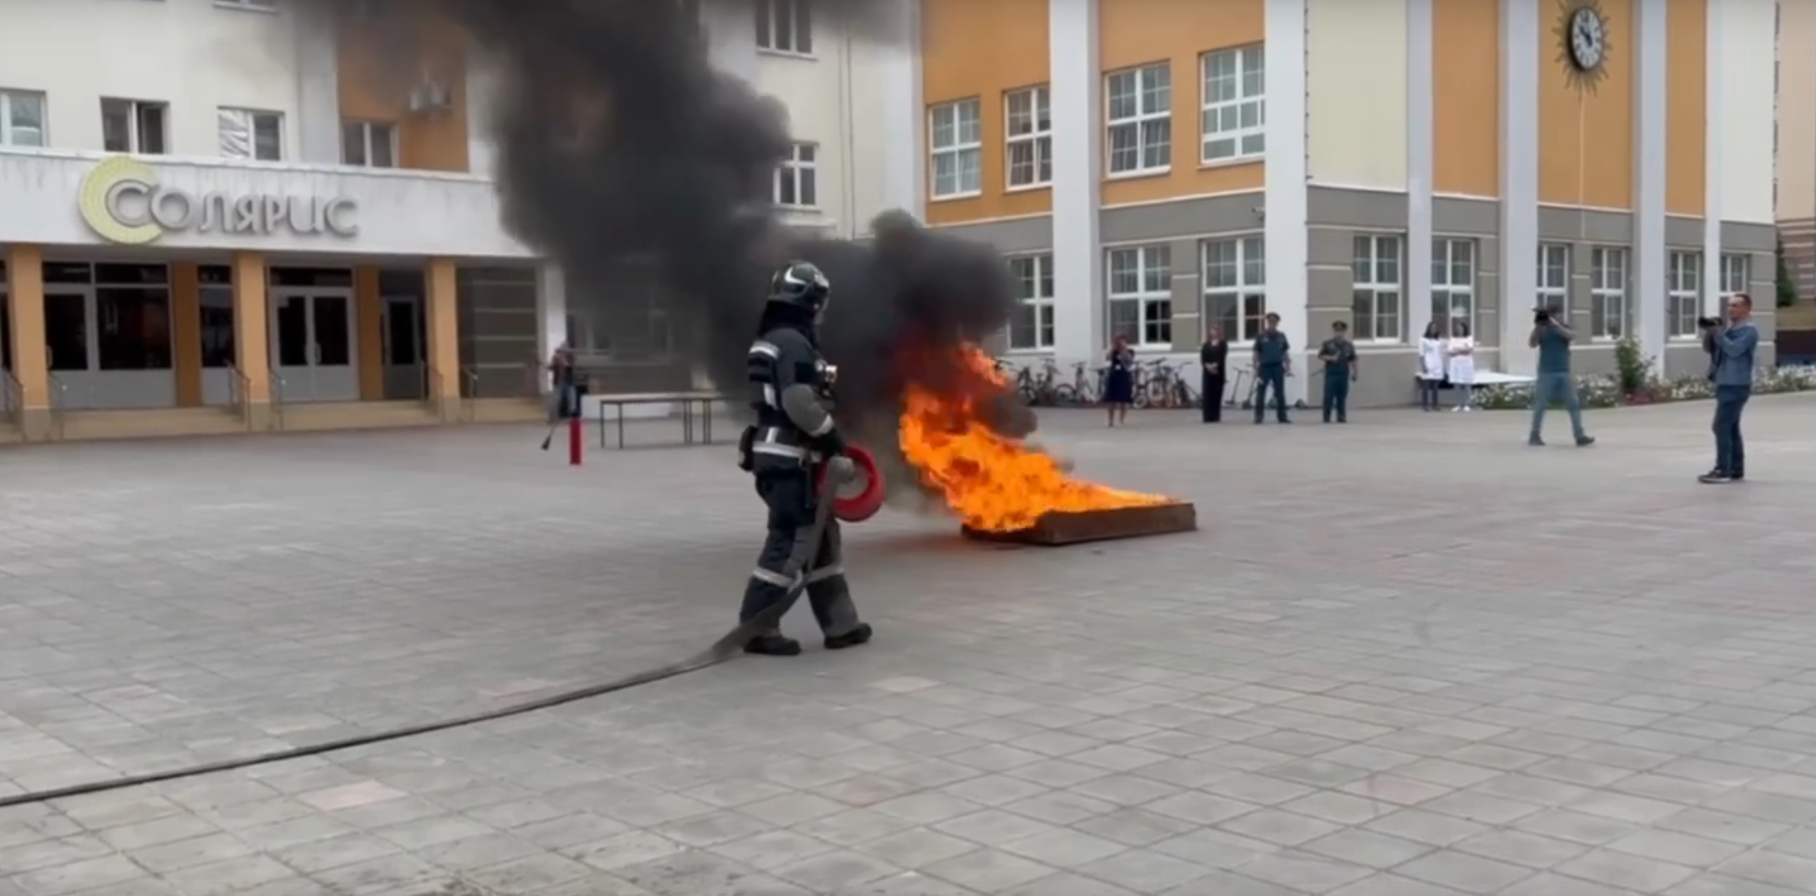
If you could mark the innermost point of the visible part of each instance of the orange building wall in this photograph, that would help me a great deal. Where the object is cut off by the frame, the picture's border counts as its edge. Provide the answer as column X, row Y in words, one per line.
column 1466, row 105
column 1586, row 136
column 1133, row 33
column 984, row 50
column 375, row 84
column 1686, row 91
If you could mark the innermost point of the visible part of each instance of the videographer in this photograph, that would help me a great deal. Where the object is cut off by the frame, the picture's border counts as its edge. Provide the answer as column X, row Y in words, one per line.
column 1731, row 345
column 1552, row 338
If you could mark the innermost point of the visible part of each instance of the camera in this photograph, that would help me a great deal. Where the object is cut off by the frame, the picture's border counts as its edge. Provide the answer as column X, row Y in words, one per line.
column 1541, row 315
column 1708, row 323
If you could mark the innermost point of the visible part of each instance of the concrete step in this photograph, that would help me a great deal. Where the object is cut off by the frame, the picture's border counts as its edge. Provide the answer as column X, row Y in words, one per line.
column 150, row 423
column 330, row 415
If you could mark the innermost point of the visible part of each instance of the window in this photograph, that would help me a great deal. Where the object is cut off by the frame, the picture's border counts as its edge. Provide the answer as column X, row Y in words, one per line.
column 21, row 118
column 1607, row 293
column 259, row 5
column 1141, row 294
column 136, row 126
column 796, row 178
column 958, row 149
column 1140, row 120
column 1030, row 137
column 1235, row 286
column 1235, row 111
column 1453, row 269
column 216, row 294
column 371, row 144
column 1736, row 271
column 1375, row 302
column 1032, row 326
column 1683, row 293
column 250, row 134
column 1554, row 278
column 785, row 26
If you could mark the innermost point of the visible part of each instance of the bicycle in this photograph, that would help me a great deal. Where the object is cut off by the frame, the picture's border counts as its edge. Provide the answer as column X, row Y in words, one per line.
column 1248, row 403
column 1038, row 389
column 1163, row 387
column 1083, row 390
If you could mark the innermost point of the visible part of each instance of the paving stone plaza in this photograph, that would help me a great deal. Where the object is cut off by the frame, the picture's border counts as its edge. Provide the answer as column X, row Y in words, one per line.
column 1405, row 657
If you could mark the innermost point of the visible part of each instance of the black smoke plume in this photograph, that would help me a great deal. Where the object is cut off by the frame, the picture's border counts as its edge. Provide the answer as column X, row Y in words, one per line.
column 618, row 141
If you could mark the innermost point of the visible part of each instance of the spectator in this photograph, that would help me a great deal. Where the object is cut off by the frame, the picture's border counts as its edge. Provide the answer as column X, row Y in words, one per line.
column 1119, row 380
column 1215, row 356
column 1552, row 338
column 1431, row 365
column 561, row 384
column 1731, row 348
column 1461, row 352
column 1273, row 364
column 1340, row 369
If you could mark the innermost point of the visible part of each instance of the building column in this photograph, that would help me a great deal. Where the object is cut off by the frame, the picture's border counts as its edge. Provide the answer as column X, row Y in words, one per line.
column 1421, row 160
column 1288, row 251
column 318, row 113
column 442, row 316
column 31, row 363
column 551, row 317
column 1077, row 82
column 1651, row 314
column 252, row 337
column 186, row 333
column 1714, row 67
column 904, row 164
column 1519, row 182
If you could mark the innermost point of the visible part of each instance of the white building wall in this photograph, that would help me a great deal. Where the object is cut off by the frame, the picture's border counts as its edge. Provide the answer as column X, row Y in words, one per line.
column 1747, row 29
column 192, row 54
column 1356, row 69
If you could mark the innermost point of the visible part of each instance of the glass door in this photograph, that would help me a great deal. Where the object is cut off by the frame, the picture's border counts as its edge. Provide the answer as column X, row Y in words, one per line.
column 312, row 338
column 405, row 373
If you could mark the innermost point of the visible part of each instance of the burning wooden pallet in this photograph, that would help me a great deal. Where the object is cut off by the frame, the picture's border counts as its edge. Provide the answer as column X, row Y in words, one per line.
column 1058, row 529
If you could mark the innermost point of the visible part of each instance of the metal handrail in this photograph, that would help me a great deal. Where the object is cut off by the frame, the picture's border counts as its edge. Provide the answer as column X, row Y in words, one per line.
column 277, row 399
column 431, row 392
column 469, row 380
column 241, row 395
column 12, row 398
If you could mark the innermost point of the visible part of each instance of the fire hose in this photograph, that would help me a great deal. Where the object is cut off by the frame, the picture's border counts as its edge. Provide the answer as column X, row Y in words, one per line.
column 855, row 508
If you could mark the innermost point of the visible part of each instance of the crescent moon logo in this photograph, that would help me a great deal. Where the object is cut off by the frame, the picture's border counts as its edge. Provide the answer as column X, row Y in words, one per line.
column 95, row 200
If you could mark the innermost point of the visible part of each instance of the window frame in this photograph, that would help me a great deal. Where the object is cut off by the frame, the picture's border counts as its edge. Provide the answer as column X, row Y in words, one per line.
column 1366, row 253
column 1139, row 121
column 1683, row 294
column 1152, row 260
column 1039, row 137
column 1725, row 288
column 1548, row 295
column 1444, row 247
column 1040, row 299
column 959, row 149
column 251, row 119
column 1210, row 109
column 802, row 171
column 136, row 110
column 1250, row 256
column 1600, row 293
column 799, row 21
column 366, row 127
column 8, row 96
column 267, row 6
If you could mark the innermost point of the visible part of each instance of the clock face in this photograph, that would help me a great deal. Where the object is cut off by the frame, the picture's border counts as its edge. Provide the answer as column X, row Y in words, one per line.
column 1588, row 36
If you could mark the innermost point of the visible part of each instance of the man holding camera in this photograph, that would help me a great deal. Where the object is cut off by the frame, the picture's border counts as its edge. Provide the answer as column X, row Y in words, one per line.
column 1552, row 338
column 1731, row 346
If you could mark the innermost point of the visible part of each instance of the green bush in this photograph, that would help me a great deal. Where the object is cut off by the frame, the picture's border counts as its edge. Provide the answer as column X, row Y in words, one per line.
column 1787, row 286
column 1635, row 368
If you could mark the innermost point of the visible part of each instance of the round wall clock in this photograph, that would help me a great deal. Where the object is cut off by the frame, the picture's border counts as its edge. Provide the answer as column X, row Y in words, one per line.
column 1582, row 34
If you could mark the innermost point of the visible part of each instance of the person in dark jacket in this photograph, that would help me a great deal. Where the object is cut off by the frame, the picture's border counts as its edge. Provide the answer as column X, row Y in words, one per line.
column 1214, row 355
column 1273, row 364
column 1119, row 380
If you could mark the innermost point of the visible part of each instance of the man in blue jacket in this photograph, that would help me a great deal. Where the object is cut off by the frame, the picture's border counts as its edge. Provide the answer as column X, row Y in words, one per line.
column 1731, row 347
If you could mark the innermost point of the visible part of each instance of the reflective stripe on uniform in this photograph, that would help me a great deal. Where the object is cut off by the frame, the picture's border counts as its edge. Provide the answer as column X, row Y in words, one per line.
column 775, row 450
column 766, row 349
column 771, row 577
column 824, row 427
column 826, row 572
column 769, row 395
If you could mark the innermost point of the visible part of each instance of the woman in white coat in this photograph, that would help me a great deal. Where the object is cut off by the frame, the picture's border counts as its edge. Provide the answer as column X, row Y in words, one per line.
column 1431, row 365
column 1461, row 353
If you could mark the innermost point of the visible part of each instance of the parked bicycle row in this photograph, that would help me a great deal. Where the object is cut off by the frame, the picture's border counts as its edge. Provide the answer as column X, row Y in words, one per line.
column 1159, row 383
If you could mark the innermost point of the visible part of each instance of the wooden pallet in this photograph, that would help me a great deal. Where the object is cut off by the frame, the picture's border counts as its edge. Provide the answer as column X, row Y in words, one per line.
column 1058, row 529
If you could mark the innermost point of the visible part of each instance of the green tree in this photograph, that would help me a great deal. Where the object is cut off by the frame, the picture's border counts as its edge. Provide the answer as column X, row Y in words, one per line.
column 1787, row 287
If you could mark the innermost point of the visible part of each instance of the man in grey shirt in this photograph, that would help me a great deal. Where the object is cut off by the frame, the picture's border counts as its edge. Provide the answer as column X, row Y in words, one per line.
column 1731, row 347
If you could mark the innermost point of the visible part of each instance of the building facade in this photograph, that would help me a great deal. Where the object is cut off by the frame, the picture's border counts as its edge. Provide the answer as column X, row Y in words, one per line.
column 1154, row 168
column 1795, row 144
column 280, row 220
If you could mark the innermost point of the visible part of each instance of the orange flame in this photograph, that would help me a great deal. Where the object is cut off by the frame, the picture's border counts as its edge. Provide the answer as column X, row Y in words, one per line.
column 993, row 482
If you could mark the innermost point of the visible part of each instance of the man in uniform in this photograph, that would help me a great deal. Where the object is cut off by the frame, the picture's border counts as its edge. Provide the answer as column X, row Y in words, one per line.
column 1340, row 369
column 794, row 436
column 1273, row 364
